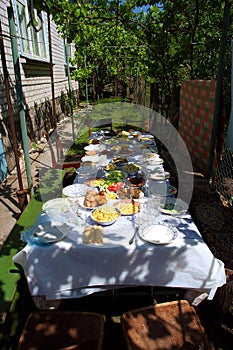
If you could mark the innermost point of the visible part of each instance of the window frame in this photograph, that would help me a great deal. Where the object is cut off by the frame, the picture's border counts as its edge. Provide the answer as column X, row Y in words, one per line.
column 32, row 44
column 70, row 47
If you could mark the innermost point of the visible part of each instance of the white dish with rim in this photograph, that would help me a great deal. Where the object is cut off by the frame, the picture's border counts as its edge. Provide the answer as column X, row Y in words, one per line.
column 94, row 159
column 158, row 233
column 49, row 232
column 75, row 190
column 159, row 176
column 93, row 147
column 155, row 161
column 86, row 170
column 60, row 205
column 174, row 206
column 81, row 203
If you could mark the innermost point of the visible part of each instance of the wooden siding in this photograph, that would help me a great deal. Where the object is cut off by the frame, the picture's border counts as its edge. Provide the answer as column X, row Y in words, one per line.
column 36, row 85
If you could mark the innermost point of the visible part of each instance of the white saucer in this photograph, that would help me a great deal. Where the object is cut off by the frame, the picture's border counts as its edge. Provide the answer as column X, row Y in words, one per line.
column 157, row 233
column 75, row 190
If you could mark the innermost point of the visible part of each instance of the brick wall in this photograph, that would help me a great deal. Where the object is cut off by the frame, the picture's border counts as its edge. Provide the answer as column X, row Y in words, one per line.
column 197, row 99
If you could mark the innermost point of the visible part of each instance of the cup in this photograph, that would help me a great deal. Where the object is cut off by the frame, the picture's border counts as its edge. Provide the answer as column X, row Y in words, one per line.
column 150, row 211
column 74, row 204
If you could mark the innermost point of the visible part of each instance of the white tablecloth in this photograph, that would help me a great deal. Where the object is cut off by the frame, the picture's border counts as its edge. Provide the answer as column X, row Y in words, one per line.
column 68, row 268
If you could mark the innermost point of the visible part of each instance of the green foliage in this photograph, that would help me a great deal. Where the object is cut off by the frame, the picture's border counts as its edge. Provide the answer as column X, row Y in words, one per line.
column 117, row 43
column 110, row 100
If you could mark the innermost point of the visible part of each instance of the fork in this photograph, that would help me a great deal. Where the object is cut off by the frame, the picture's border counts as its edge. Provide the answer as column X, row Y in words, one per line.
column 134, row 235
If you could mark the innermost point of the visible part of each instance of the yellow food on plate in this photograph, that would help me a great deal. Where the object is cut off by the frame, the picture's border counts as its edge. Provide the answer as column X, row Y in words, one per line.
column 111, row 195
column 105, row 213
column 94, row 182
column 128, row 208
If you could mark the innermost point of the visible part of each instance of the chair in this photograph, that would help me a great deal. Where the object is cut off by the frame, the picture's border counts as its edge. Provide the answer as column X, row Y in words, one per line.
column 62, row 330
column 170, row 325
column 59, row 160
column 101, row 123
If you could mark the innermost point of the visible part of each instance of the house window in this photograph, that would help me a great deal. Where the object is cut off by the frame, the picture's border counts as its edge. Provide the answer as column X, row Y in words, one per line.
column 34, row 44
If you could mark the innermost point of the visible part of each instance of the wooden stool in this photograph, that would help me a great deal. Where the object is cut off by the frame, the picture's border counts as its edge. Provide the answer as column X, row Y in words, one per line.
column 166, row 326
column 62, row 330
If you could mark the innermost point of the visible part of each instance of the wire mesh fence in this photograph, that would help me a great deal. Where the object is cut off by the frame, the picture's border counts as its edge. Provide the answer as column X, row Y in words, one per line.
column 223, row 181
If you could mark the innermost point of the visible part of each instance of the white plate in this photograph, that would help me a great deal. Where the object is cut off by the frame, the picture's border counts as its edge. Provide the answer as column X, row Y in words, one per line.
column 49, row 232
column 174, row 206
column 81, row 203
column 93, row 147
column 150, row 156
column 86, row 170
column 159, row 176
column 154, row 161
column 60, row 205
column 94, row 159
column 145, row 135
column 75, row 190
column 146, row 142
column 158, row 233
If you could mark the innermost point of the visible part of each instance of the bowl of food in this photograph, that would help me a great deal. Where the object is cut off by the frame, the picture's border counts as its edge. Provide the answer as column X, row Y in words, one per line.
column 136, row 181
column 116, row 175
column 105, row 215
column 131, row 169
column 87, row 170
column 110, row 167
column 120, row 161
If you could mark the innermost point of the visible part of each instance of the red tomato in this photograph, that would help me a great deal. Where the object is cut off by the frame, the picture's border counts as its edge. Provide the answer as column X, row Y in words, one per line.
column 115, row 186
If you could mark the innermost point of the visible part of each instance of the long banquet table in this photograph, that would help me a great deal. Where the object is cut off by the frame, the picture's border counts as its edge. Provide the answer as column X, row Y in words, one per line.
column 70, row 269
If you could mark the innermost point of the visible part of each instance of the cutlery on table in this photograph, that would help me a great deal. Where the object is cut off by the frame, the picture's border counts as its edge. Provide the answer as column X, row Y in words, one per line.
column 134, row 235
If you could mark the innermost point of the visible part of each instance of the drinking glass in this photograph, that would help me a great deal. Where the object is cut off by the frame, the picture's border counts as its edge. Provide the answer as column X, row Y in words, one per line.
column 150, row 211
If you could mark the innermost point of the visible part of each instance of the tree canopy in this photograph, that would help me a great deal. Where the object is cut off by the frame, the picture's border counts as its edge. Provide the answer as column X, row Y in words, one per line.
column 164, row 41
